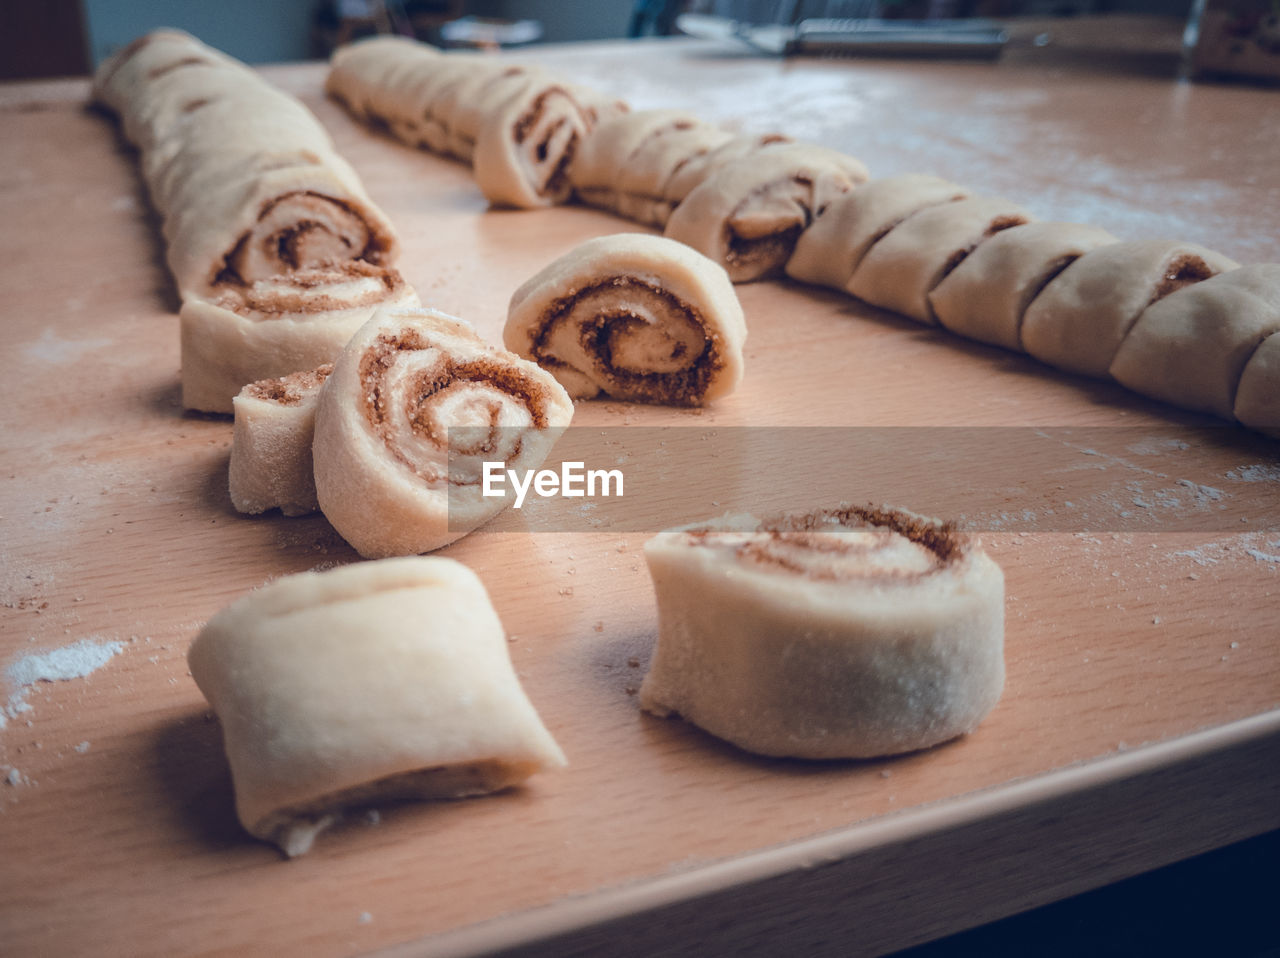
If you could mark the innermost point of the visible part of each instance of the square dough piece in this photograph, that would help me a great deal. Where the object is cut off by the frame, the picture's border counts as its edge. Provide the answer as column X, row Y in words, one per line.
column 379, row 681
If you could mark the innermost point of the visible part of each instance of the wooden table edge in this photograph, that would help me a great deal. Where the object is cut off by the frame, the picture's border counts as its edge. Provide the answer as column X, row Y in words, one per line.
column 907, row 878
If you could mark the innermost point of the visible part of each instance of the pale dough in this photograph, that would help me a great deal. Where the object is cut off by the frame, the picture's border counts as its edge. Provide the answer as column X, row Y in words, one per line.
column 829, row 251
column 986, row 296
column 275, row 421
column 1258, row 396
column 847, row 633
column 635, row 317
column 277, row 326
column 1080, row 318
column 1191, row 347
column 416, row 403
column 900, row 270
column 245, row 178
column 374, row 682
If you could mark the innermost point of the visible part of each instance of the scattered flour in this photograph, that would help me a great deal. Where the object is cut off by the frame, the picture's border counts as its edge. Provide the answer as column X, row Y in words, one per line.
column 74, row 661
column 1258, row 472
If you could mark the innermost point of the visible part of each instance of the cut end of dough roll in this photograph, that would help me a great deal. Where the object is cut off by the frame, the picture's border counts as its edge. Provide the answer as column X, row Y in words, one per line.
column 845, row 633
column 416, row 405
column 376, row 682
column 636, row 317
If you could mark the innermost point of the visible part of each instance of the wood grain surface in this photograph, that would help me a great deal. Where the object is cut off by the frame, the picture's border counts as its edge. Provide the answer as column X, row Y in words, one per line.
column 1141, row 719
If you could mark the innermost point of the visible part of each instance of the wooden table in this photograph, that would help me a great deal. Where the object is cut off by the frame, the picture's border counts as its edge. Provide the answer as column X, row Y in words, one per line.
column 1141, row 721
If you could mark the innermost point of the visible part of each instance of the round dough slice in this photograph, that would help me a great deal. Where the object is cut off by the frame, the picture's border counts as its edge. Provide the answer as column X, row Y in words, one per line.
column 275, row 421
column 985, row 297
column 278, row 326
column 633, row 316
column 1081, row 317
column 846, row 633
column 748, row 214
column 642, row 180
column 375, row 682
column 416, row 404
column 829, row 251
column 900, row 271
column 1191, row 347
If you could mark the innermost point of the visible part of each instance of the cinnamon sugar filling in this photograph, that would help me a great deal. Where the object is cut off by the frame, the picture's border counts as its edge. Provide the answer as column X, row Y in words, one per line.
column 629, row 298
column 378, row 403
column 288, row 246
column 810, row 544
column 1185, row 270
column 289, row 390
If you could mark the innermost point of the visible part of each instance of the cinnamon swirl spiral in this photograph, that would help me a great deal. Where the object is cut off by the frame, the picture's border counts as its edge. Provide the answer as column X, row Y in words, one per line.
column 633, row 316
column 417, row 402
column 277, row 326
column 844, row 633
column 748, row 214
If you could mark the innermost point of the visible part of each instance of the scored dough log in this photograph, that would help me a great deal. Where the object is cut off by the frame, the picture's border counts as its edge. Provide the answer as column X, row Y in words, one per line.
column 417, row 402
column 518, row 125
column 845, row 633
column 635, row 317
column 278, row 326
column 829, row 251
column 748, row 214
column 275, row 421
column 381, row 681
column 1191, row 347
column 244, row 177
column 986, row 296
column 1082, row 316
column 900, row 270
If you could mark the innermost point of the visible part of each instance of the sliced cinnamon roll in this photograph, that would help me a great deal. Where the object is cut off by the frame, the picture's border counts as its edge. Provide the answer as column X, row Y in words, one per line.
column 986, row 296
column 1191, row 347
column 633, row 316
column 900, row 270
column 829, row 251
column 244, row 177
column 275, row 421
column 748, row 214
column 1079, row 320
column 416, row 405
column 844, row 633
column 277, row 326
column 374, row 682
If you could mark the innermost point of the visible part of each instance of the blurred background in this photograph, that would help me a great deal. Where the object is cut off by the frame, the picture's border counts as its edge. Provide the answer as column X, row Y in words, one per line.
column 46, row 38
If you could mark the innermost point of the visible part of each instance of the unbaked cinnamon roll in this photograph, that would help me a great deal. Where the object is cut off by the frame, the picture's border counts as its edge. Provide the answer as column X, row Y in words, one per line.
column 633, row 316
column 845, row 633
column 277, row 326
column 748, row 214
column 275, row 422
column 374, row 682
column 415, row 407
column 244, row 177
